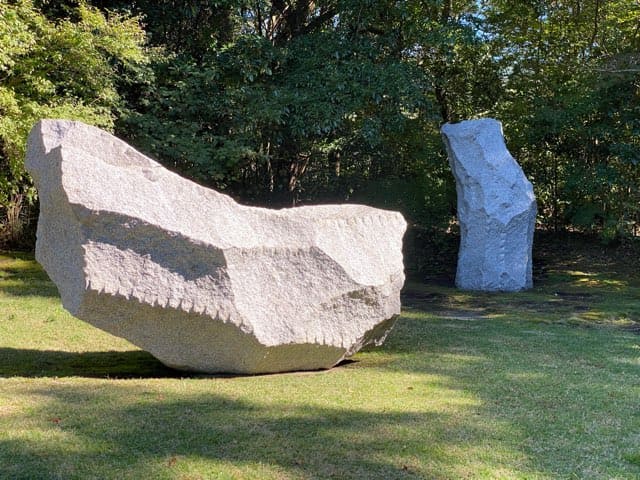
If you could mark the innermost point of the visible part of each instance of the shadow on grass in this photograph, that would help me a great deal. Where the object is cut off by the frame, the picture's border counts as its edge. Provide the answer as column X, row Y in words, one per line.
column 153, row 437
column 562, row 296
column 15, row 362
column 21, row 276
column 453, row 303
column 30, row 289
column 521, row 400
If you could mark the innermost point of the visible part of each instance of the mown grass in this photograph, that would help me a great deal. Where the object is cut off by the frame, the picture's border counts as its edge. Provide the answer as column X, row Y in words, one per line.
column 543, row 384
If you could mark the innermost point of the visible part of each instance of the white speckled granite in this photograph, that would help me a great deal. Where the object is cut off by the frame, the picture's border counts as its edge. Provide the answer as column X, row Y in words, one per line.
column 496, row 208
column 196, row 279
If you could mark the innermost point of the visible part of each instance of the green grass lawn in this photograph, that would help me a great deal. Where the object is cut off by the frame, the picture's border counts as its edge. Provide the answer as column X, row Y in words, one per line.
column 542, row 384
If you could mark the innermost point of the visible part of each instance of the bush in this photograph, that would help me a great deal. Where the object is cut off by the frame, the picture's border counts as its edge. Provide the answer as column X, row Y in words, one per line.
column 55, row 69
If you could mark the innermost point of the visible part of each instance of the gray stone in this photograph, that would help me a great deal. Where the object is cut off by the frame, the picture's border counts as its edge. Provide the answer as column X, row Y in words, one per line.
column 496, row 208
column 196, row 279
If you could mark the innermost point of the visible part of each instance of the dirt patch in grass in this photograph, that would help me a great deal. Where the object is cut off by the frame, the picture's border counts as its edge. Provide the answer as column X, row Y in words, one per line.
column 452, row 303
column 577, row 280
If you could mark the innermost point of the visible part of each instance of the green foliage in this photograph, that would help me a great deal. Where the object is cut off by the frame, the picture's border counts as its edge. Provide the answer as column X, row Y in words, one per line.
column 571, row 107
column 287, row 102
column 258, row 118
column 336, row 103
column 60, row 69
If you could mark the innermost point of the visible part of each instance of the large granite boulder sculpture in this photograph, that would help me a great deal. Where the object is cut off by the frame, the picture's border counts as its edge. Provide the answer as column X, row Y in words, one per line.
column 199, row 281
column 496, row 208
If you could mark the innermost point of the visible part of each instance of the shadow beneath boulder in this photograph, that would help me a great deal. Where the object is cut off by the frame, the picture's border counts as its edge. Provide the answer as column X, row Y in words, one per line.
column 16, row 362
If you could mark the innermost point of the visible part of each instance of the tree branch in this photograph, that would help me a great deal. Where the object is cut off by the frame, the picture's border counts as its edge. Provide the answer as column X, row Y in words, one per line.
column 316, row 22
column 595, row 23
column 623, row 70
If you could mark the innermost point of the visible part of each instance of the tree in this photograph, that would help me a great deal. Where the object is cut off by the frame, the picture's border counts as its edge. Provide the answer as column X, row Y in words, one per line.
column 282, row 102
column 60, row 69
column 571, row 106
column 300, row 89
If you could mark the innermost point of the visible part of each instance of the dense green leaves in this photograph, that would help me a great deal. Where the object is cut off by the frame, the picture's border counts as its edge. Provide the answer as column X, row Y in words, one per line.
column 283, row 123
column 60, row 69
column 572, row 93
column 281, row 102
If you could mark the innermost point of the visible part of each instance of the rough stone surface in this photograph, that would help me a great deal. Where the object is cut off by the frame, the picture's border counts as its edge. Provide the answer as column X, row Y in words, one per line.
column 496, row 208
column 196, row 279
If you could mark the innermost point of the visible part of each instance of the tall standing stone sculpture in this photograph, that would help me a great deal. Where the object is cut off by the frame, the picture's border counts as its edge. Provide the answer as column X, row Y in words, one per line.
column 196, row 279
column 496, row 208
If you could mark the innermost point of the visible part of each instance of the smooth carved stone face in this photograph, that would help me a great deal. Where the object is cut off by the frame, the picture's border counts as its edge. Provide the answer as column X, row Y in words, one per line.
column 496, row 208
column 196, row 279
